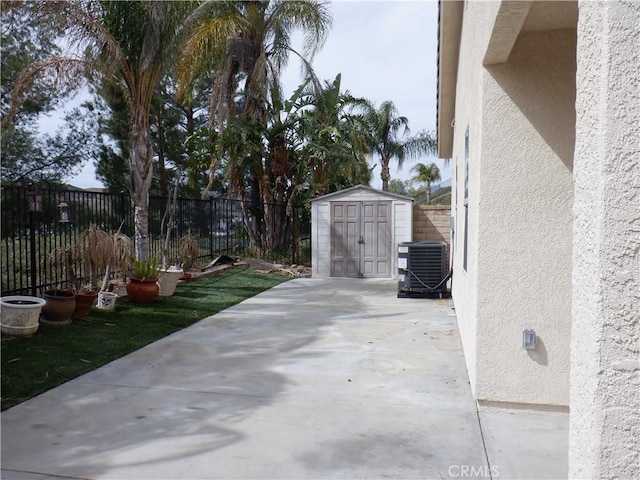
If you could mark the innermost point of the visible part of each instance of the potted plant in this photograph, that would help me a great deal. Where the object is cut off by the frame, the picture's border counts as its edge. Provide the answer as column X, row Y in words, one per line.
column 59, row 307
column 60, row 302
column 19, row 315
column 143, row 282
column 188, row 253
column 95, row 249
column 169, row 276
column 119, row 262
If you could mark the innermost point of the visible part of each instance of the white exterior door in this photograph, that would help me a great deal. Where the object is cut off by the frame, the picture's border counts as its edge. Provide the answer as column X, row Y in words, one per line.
column 361, row 239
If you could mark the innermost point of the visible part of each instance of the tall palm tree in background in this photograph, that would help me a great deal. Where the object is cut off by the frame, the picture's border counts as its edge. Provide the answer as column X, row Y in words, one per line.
column 129, row 43
column 387, row 130
column 426, row 174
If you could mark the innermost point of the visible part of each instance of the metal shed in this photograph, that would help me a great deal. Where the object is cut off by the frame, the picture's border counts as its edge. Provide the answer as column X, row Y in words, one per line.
column 355, row 232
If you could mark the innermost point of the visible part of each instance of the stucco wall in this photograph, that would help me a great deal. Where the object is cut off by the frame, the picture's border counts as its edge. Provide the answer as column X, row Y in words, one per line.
column 520, row 117
column 525, row 223
column 468, row 115
column 604, row 438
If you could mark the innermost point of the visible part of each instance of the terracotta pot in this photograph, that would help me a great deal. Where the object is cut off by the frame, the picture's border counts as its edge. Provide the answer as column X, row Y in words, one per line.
column 185, row 276
column 19, row 315
column 59, row 307
column 143, row 291
column 84, row 302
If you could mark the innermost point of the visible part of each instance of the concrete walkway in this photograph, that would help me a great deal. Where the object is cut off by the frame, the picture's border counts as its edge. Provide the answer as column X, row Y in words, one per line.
column 313, row 379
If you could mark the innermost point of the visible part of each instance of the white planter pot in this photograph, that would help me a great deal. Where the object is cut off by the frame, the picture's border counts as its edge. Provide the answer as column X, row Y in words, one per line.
column 168, row 280
column 19, row 315
column 106, row 301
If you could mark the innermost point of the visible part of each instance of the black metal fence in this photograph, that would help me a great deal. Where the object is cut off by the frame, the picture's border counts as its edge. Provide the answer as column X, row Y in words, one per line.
column 28, row 237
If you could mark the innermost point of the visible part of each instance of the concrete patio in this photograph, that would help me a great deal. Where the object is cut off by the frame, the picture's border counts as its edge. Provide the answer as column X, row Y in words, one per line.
column 313, row 379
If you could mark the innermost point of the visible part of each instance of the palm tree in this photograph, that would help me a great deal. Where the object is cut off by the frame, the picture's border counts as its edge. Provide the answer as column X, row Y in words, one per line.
column 386, row 132
column 334, row 138
column 249, row 42
column 128, row 43
column 246, row 45
column 426, row 174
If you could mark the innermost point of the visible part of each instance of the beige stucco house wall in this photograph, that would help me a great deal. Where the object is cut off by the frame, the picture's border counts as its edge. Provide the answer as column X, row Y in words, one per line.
column 538, row 107
column 512, row 152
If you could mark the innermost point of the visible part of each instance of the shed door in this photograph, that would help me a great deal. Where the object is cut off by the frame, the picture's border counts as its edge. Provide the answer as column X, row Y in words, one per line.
column 361, row 239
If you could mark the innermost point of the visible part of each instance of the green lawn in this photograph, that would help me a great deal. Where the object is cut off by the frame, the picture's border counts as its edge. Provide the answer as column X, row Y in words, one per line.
column 57, row 354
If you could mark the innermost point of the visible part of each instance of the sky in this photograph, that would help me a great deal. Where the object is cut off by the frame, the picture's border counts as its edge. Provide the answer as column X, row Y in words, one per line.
column 385, row 50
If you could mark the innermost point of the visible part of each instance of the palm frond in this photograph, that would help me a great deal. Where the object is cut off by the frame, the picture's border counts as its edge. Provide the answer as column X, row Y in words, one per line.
column 312, row 17
column 85, row 31
column 307, row 71
column 423, row 143
column 59, row 73
column 206, row 48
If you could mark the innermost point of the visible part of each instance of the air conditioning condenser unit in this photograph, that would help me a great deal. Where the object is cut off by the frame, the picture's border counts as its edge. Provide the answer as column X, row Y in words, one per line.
column 423, row 269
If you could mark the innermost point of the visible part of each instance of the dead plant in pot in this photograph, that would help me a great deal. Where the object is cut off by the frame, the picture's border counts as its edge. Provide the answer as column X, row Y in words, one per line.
column 169, row 274
column 188, row 253
column 95, row 249
column 119, row 263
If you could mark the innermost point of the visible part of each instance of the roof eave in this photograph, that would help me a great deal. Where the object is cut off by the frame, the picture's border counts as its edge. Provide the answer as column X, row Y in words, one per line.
column 450, row 14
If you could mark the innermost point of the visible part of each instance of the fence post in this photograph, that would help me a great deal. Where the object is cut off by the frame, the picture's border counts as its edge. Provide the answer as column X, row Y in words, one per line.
column 123, row 209
column 210, row 229
column 32, row 252
column 294, row 234
column 180, row 217
column 33, row 206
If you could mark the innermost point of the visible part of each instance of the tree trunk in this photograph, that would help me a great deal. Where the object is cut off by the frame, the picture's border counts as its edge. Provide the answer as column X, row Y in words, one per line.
column 192, row 173
column 141, row 170
column 162, row 172
column 385, row 175
column 255, row 212
column 168, row 219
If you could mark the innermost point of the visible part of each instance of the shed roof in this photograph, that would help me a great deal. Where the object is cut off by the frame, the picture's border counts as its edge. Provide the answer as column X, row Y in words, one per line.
column 364, row 188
